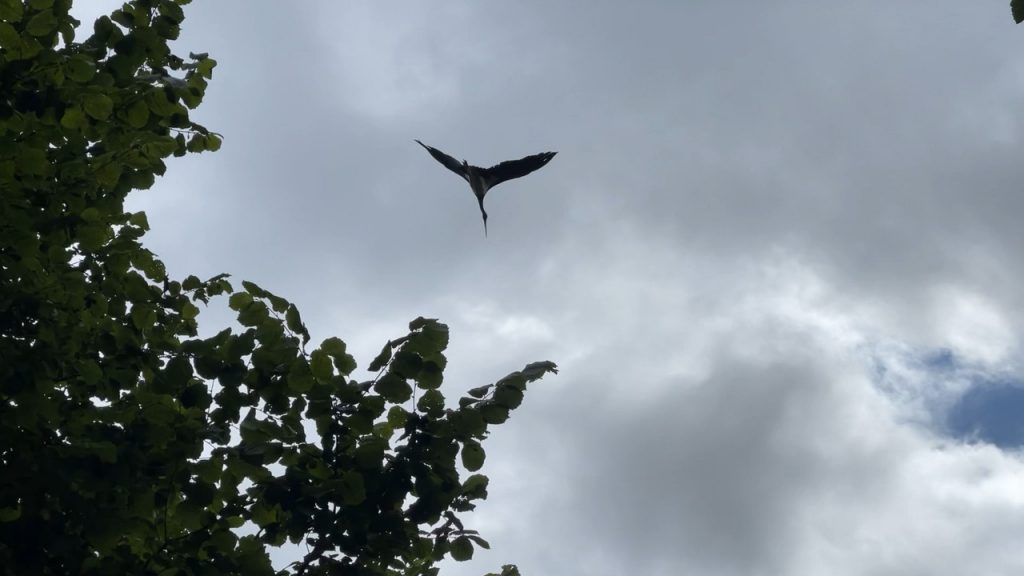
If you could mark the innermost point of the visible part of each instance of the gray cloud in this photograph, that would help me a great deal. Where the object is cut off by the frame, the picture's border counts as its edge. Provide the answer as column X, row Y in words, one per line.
column 754, row 206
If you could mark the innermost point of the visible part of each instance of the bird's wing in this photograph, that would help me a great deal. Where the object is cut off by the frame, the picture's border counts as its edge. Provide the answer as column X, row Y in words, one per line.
column 449, row 162
column 511, row 169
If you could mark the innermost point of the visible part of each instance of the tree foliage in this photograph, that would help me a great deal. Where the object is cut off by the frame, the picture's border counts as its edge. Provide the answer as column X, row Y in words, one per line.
column 129, row 444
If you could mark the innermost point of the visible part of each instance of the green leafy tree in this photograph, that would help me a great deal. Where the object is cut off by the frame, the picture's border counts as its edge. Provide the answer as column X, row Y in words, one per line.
column 128, row 444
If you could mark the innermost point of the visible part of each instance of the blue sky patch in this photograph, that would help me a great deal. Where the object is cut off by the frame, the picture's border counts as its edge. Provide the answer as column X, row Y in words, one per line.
column 990, row 412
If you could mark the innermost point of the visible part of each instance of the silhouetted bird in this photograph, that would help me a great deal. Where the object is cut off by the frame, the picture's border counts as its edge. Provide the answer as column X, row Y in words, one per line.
column 483, row 179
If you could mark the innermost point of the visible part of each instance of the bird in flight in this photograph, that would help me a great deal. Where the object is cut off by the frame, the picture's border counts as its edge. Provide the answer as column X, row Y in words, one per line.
column 483, row 179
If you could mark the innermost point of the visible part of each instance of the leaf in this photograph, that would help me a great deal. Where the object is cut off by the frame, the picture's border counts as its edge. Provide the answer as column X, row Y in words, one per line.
column 320, row 363
column 480, row 391
column 493, row 413
column 9, row 35
column 239, row 301
column 394, row 389
column 171, row 10
column 294, row 323
column 335, row 347
column 508, row 396
column 475, row 487
column 432, row 402
column 1017, row 8
column 468, row 423
column 9, row 514
column 352, row 488
column 461, row 549
column 300, row 377
column 139, row 219
column 397, row 417
column 536, row 370
column 99, row 106
column 479, row 541
column 80, row 68
column 108, row 174
column 11, row 10
column 382, row 359
column 138, row 114
column 407, row 364
column 74, row 118
column 472, row 455
column 42, row 24
column 106, row 451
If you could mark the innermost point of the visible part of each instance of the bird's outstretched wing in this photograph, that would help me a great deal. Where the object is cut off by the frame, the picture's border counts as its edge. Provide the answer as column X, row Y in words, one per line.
column 449, row 162
column 511, row 169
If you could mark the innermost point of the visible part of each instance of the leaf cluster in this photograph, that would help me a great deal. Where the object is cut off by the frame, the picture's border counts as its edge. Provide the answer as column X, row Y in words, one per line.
column 129, row 444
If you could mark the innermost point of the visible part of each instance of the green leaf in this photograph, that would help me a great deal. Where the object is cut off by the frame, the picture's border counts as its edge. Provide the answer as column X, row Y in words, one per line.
column 99, row 106
column 352, row 488
column 10, row 514
column 159, row 103
column 90, row 215
column 9, row 37
column 480, row 392
column 320, row 364
column 42, row 24
column 11, row 10
column 432, row 402
column 537, row 370
column 80, row 68
column 138, row 114
column 171, row 10
column 108, row 174
column 475, row 487
column 239, row 301
column 106, row 451
column 479, row 541
column 213, row 142
column 461, row 549
column 398, row 417
column 508, row 396
column 335, row 347
column 407, row 364
column 300, row 378
column 31, row 160
column 205, row 67
column 294, row 322
column 394, row 389
column 74, row 118
column 468, row 423
column 493, row 413
column 472, row 455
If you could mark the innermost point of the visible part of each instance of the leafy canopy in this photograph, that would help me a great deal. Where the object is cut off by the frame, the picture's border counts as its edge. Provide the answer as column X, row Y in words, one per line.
column 128, row 444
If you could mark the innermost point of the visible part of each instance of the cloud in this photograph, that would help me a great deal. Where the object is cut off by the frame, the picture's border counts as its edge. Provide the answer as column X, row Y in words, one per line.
column 765, row 225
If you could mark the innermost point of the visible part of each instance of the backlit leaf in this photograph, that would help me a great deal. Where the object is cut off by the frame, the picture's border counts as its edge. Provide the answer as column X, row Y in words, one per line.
column 472, row 455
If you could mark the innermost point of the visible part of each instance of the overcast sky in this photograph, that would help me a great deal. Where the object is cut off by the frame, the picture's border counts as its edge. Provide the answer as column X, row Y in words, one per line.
column 778, row 259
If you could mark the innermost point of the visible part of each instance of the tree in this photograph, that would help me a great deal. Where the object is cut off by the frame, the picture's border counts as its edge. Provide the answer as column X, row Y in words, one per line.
column 128, row 444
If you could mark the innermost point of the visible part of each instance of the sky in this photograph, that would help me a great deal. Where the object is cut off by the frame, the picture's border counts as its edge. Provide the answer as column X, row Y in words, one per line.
column 777, row 259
